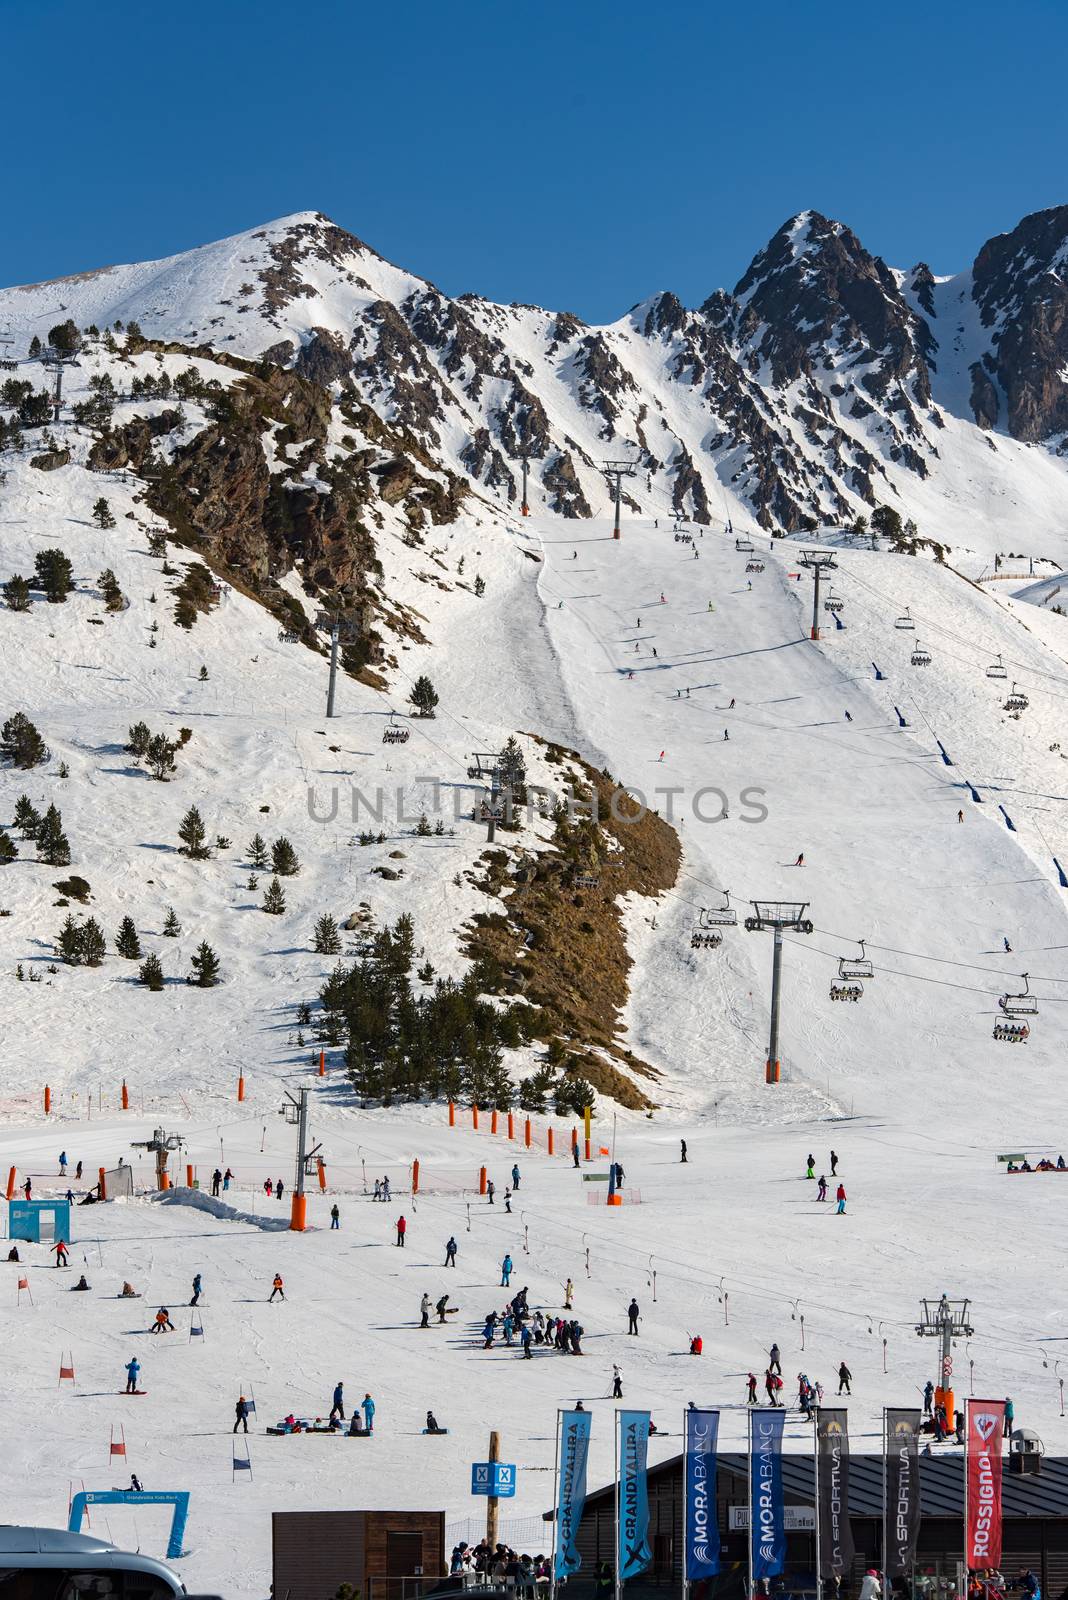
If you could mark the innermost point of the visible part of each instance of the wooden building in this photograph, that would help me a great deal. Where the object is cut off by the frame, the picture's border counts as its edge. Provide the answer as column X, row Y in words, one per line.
column 1035, row 1506
column 386, row 1555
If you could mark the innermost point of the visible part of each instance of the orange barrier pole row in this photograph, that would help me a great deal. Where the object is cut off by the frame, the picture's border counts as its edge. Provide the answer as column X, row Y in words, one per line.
column 526, row 1133
column 493, row 1121
column 125, row 1096
column 189, row 1174
column 550, row 1141
column 452, row 1115
column 415, row 1176
column 11, row 1184
column 47, row 1100
column 241, row 1087
column 511, row 1125
column 481, row 1180
column 322, row 1174
column 103, row 1184
column 298, row 1213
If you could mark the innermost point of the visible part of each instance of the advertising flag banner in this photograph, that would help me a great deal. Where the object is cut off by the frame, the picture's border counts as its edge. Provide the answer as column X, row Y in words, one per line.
column 836, row 1534
column 984, row 1428
column 901, row 1511
column 767, row 1520
column 633, row 1550
column 571, row 1499
column 702, row 1529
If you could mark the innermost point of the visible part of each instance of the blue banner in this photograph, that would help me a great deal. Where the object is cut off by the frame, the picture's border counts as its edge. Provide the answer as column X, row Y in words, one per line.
column 767, row 1517
column 571, row 1499
column 632, row 1538
column 702, row 1528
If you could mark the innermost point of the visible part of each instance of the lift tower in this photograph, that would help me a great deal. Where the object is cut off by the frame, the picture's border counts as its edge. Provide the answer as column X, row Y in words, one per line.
column 615, row 472
column 818, row 562
column 776, row 915
column 946, row 1321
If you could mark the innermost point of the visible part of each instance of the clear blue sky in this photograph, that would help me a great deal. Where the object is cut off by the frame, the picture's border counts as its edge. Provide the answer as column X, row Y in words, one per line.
column 573, row 153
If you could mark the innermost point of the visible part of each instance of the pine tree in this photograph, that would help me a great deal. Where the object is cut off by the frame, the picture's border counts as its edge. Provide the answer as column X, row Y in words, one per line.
column 157, row 544
column 17, row 593
column 35, row 346
column 424, row 697
column 480, row 585
column 171, row 926
column 102, row 514
column 27, row 818
column 94, row 944
column 21, row 744
column 159, row 757
column 150, row 972
column 69, row 943
column 126, row 941
column 205, row 964
column 108, row 585
column 327, row 937
column 139, row 739
column 192, row 834
column 55, row 575
column 9, row 850
column 52, row 844
column 274, row 900
column 257, row 852
column 284, row 858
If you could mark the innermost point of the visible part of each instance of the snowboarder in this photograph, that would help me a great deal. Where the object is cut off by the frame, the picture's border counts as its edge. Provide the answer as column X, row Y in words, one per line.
column 450, row 1252
column 241, row 1414
column 726, row 736
column 774, row 1360
column 335, row 1217
column 441, row 1307
column 849, row 716
column 432, row 1425
column 402, row 1229
column 731, row 706
column 811, row 1173
column 682, row 1157
column 424, row 1311
column 61, row 1253
column 845, row 1377
column 515, row 1177
column 821, row 1188
column 81, row 1285
column 633, row 1315
column 133, row 1372
column 840, row 1196
column 196, row 1291
column 135, row 1484
column 368, row 1413
column 800, row 860
column 338, row 1407
column 277, row 1288
column 617, row 1382
column 1008, row 947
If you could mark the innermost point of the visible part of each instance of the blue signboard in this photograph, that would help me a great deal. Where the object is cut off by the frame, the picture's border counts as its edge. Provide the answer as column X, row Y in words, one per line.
column 493, row 1478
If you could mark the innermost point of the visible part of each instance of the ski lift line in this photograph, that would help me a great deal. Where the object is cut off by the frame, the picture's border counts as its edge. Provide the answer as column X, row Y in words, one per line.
column 918, row 955
column 941, row 983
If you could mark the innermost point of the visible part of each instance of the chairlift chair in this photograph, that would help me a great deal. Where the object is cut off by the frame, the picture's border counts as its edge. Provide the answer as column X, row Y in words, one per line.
column 905, row 621
column 1017, row 700
column 847, row 991
column 854, row 966
column 754, row 566
column 1020, row 1005
column 723, row 916
column 833, row 603
column 744, row 546
column 586, row 880
column 703, row 935
column 996, row 670
column 920, row 657
column 286, row 636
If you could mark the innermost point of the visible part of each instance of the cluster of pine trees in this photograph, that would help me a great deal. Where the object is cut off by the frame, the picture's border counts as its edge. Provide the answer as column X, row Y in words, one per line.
column 53, row 574
column 409, row 1046
column 53, row 847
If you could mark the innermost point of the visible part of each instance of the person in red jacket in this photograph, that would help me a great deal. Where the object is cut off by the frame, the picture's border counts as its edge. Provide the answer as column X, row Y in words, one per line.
column 840, row 1196
column 402, row 1229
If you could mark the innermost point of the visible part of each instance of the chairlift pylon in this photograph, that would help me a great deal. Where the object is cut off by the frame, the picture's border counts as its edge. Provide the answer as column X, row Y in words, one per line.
column 996, row 670
column 1020, row 1005
column 905, row 621
column 855, row 966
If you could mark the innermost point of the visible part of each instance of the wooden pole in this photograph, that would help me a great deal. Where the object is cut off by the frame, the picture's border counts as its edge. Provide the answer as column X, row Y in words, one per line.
column 492, row 1502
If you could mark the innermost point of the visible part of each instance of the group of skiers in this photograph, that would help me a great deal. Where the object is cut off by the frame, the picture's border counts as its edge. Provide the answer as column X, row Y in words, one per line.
column 809, row 1394
column 821, row 1186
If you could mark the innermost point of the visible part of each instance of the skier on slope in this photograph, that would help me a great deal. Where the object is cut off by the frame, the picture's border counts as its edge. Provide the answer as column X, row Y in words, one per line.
column 133, row 1372
column 821, row 1188
column 277, row 1288
column 774, row 1360
column 811, row 1164
column 845, row 1378
column 196, row 1290
column 515, row 1176
column 751, row 1395
column 402, row 1229
column 840, row 1197
column 633, row 1316
column 424, row 1311
column 450, row 1252
column 506, row 1272
column 617, row 1382
column 241, row 1414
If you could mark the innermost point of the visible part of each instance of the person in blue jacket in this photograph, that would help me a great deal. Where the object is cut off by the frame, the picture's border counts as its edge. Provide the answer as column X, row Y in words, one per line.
column 133, row 1372
column 196, row 1291
column 515, row 1176
column 338, row 1407
column 369, row 1413
column 506, row 1272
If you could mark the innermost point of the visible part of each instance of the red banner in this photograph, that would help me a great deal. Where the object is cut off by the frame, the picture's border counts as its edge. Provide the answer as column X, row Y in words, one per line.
column 984, row 1430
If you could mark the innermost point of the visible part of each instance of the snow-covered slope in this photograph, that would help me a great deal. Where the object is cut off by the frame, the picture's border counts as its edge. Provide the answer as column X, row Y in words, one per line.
column 824, row 385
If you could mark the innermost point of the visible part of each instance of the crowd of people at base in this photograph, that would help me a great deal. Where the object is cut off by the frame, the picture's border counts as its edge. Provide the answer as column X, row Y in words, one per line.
column 516, row 1322
column 1045, row 1165
column 484, row 1563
